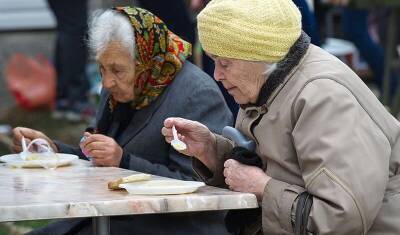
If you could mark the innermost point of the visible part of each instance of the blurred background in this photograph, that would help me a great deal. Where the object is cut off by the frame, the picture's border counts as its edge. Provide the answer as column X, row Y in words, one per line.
column 49, row 82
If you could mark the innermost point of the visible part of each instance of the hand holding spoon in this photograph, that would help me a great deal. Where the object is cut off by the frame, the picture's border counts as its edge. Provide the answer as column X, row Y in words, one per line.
column 177, row 143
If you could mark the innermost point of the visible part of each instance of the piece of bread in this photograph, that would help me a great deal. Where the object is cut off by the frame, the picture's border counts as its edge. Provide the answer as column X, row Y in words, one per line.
column 114, row 184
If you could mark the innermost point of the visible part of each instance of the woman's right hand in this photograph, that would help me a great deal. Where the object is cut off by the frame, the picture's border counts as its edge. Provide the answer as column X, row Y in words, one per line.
column 29, row 135
column 200, row 141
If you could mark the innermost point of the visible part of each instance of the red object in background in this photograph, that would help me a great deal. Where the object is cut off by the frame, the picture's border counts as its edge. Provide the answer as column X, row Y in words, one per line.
column 32, row 81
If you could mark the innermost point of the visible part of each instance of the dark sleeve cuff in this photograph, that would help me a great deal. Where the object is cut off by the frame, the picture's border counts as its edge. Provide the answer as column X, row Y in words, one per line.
column 65, row 148
column 201, row 170
column 224, row 146
column 125, row 160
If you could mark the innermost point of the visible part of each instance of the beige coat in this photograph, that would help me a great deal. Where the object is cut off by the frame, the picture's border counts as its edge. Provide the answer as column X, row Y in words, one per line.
column 323, row 131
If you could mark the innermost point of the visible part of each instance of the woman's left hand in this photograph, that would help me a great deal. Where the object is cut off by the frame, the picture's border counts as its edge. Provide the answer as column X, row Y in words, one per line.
column 103, row 150
column 244, row 178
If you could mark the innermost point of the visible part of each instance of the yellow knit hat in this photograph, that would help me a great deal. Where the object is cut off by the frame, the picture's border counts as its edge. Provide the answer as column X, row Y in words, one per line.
column 255, row 30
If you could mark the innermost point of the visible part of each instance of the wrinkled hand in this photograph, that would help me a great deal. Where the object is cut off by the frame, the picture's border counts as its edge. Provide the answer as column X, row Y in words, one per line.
column 29, row 135
column 244, row 178
column 340, row 2
column 103, row 150
column 200, row 141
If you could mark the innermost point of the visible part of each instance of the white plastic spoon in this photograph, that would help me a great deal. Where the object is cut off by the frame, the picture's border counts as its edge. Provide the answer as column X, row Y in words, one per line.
column 24, row 153
column 176, row 143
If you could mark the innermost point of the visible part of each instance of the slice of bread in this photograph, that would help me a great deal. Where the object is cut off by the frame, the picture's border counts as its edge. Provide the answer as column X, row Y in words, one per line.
column 114, row 184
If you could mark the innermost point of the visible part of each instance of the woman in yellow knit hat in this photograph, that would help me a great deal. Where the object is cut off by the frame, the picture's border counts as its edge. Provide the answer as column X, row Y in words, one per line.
column 327, row 155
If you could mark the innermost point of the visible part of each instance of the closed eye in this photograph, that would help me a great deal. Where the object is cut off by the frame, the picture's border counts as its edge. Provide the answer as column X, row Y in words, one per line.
column 116, row 71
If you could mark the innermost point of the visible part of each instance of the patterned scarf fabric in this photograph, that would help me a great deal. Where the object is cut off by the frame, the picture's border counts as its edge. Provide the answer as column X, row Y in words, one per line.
column 159, row 53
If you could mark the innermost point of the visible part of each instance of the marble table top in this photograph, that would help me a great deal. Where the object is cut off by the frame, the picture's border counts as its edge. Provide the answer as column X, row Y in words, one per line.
column 81, row 191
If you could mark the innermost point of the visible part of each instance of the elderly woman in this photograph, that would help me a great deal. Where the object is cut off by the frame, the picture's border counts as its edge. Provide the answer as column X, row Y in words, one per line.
column 330, row 151
column 146, row 78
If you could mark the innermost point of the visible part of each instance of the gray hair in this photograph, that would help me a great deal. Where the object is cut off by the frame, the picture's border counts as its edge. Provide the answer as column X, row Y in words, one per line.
column 110, row 26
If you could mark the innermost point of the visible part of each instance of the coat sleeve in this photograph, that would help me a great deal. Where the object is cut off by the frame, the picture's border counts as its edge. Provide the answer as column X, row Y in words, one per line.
column 205, row 105
column 65, row 148
column 344, row 160
column 224, row 146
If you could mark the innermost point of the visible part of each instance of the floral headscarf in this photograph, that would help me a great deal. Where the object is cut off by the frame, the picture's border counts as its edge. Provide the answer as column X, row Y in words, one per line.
column 159, row 53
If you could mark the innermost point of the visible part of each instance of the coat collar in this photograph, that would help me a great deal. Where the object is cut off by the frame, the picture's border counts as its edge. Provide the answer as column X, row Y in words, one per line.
column 281, row 74
column 139, row 121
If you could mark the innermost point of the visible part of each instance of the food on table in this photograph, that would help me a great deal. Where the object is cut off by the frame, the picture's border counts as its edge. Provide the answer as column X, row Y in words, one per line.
column 39, row 156
column 114, row 184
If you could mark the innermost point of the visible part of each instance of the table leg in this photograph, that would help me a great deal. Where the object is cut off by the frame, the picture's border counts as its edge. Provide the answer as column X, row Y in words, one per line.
column 101, row 225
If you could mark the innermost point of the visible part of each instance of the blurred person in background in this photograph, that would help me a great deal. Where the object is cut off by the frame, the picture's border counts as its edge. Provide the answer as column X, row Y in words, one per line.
column 327, row 152
column 308, row 21
column 179, row 19
column 70, row 59
column 355, row 28
column 146, row 78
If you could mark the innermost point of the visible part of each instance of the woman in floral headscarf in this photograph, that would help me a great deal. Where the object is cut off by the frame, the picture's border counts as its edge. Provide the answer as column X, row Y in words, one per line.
column 146, row 78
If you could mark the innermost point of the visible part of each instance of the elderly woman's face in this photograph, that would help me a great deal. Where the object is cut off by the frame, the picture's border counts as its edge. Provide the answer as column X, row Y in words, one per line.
column 242, row 79
column 117, row 70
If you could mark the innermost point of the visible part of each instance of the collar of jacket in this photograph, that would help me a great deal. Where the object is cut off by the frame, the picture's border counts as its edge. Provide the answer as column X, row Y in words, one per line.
column 282, row 71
